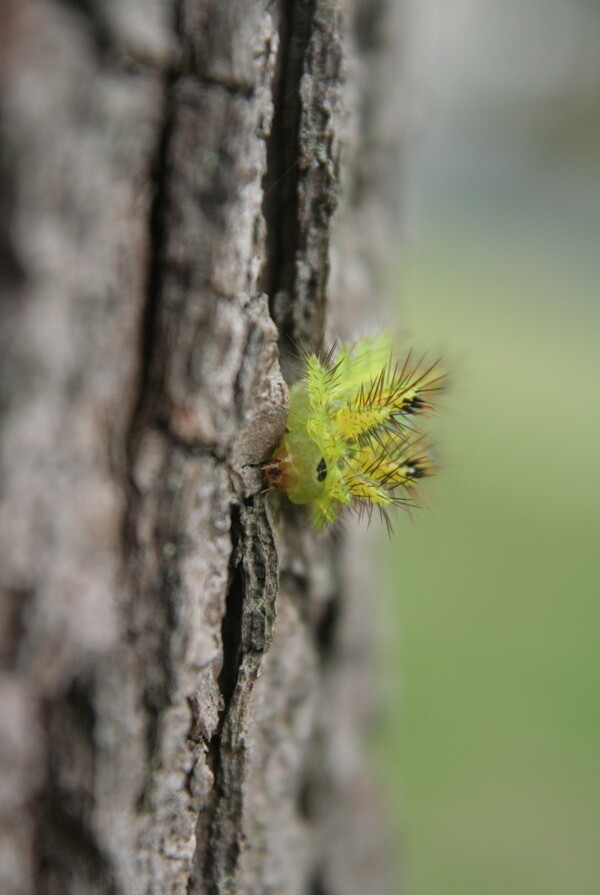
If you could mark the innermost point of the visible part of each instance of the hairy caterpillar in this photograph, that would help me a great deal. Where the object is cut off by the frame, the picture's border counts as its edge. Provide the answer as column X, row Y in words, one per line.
column 351, row 439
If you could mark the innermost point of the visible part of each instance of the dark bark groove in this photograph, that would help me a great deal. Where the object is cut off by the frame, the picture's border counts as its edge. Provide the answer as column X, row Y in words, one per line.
column 280, row 183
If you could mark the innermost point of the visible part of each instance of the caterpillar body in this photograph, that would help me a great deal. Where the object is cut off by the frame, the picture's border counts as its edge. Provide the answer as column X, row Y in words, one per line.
column 351, row 438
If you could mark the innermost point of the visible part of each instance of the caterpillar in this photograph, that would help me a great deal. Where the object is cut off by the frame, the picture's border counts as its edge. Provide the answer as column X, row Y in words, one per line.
column 351, row 439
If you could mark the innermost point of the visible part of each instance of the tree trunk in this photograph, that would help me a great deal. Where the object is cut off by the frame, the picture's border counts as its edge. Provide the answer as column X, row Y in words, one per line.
column 184, row 685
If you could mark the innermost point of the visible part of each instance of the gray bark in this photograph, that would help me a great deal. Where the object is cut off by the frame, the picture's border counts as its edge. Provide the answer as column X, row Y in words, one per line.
column 183, row 682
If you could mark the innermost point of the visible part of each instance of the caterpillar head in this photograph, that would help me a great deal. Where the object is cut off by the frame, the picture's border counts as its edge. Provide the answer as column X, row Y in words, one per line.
column 297, row 468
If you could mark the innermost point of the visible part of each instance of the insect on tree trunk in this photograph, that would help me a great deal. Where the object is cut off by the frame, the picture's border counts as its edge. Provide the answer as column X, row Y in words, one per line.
column 184, row 665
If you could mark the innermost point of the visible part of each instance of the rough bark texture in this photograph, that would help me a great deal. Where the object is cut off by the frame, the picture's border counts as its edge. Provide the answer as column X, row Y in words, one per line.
column 183, row 685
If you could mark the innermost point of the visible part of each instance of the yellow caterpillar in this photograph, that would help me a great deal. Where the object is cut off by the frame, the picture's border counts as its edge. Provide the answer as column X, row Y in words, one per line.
column 350, row 439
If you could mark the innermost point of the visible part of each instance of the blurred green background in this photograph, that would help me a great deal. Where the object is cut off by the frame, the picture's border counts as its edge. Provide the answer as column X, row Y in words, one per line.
column 491, row 748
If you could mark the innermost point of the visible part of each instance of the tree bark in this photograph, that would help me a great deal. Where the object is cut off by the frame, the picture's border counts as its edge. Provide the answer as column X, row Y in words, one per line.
column 184, row 667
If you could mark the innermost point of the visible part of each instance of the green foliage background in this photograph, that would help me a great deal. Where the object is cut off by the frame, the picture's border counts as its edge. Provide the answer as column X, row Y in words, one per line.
column 491, row 747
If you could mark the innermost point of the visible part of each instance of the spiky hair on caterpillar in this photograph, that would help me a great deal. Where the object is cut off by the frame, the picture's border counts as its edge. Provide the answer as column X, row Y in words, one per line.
column 351, row 438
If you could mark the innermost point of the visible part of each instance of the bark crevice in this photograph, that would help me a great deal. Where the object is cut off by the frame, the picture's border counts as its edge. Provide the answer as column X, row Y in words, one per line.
column 280, row 183
column 247, row 633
